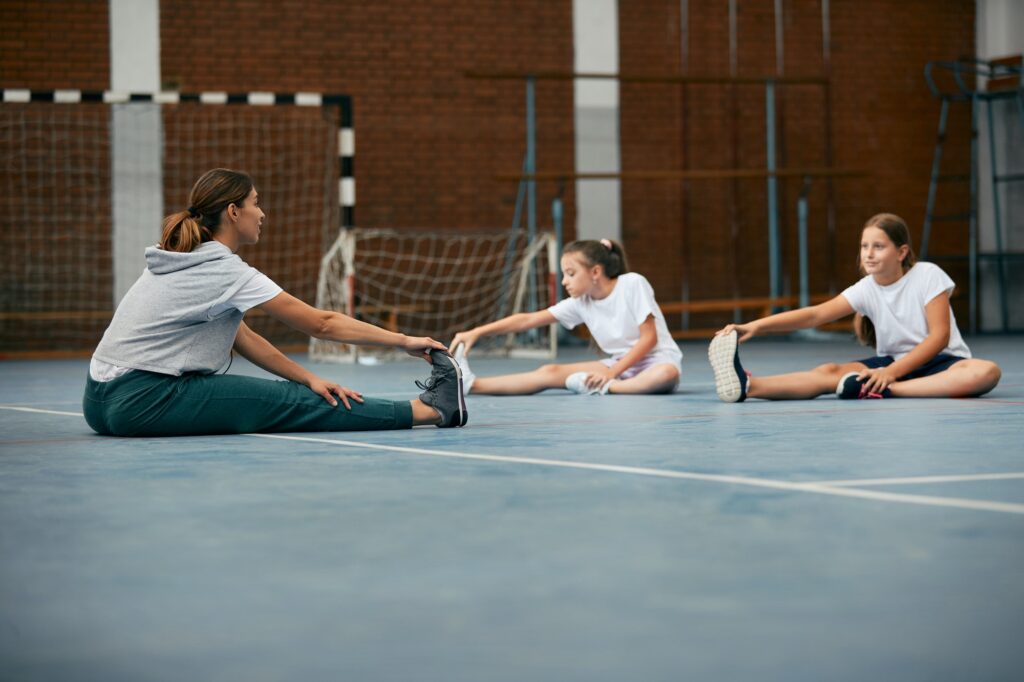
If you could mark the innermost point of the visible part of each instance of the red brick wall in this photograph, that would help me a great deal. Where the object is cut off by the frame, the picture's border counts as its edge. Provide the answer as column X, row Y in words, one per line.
column 54, row 44
column 429, row 140
column 883, row 121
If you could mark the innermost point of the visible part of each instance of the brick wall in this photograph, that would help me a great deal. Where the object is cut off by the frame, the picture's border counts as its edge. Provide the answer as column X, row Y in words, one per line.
column 54, row 44
column 430, row 140
column 883, row 120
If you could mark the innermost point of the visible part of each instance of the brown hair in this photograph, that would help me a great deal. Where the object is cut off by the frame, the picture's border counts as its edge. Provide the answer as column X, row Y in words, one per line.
column 213, row 192
column 896, row 229
column 607, row 253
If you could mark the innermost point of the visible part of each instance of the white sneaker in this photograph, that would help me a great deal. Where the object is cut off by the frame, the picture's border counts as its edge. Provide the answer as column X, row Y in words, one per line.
column 577, row 383
column 730, row 377
column 467, row 374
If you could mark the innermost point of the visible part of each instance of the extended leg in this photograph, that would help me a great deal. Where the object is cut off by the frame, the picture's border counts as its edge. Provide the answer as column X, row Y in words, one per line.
column 526, row 383
column 801, row 385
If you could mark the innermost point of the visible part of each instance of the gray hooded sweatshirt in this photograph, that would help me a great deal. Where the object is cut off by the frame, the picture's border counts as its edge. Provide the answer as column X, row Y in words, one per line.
column 164, row 322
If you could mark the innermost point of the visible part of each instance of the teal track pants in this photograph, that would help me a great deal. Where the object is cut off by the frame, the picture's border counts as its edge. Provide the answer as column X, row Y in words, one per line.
column 147, row 404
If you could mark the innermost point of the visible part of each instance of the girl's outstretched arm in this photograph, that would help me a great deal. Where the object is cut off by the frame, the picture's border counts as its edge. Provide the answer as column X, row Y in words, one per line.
column 332, row 326
column 512, row 324
column 936, row 311
column 791, row 320
column 264, row 355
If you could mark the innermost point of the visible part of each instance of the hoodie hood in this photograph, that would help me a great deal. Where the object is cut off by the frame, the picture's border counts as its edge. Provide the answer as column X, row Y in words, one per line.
column 161, row 262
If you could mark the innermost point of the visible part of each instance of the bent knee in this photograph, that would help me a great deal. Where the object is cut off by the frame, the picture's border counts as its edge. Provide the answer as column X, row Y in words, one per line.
column 988, row 374
column 829, row 368
column 666, row 374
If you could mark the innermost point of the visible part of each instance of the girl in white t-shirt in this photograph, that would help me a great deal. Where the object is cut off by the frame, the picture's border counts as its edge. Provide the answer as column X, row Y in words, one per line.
column 901, row 307
column 618, row 308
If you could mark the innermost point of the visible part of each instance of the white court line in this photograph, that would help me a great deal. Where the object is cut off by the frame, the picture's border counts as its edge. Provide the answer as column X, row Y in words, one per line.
column 33, row 409
column 927, row 500
column 912, row 480
column 818, row 488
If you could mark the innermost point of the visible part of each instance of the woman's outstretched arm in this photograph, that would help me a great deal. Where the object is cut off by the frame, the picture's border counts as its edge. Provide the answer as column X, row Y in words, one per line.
column 332, row 326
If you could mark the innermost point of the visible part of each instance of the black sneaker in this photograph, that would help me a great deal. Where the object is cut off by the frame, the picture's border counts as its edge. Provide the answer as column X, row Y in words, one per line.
column 852, row 388
column 730, row 379
column 443, row 390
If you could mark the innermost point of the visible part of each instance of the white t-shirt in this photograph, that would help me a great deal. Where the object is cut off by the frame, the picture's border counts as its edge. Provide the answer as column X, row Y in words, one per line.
column 897, row 310
column 258, row 290
column 614, row 321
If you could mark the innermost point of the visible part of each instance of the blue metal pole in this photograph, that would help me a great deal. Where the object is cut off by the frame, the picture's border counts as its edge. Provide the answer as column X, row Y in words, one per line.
column 556, row 218
column 531, row 160
column 1004, row 311
column 531, row 183
column 972, row 238
column 801, row 211
column 775, row 257
column 933, row 185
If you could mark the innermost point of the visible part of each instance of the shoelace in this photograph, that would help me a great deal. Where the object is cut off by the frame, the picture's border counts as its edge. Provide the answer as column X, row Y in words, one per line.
column 429, row 386
column 864, row 394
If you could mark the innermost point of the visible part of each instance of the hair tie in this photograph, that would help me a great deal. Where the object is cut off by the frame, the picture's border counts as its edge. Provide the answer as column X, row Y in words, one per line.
column 193, row 212
column 606, row 244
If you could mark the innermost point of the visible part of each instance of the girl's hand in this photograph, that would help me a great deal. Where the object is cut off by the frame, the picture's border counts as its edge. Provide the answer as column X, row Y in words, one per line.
column 329, row 389
column 420, row 346
column 878, row 379
column 745, row 331
column 597, row 380
column 466, row 340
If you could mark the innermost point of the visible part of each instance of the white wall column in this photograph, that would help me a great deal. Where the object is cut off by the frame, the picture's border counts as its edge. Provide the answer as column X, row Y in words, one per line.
column 596, row 41
column 136, row 138
column 1000, row 33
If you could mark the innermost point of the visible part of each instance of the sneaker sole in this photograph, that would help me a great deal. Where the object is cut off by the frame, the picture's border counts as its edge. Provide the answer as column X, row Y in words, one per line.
column 722, row 356
column 463, row 413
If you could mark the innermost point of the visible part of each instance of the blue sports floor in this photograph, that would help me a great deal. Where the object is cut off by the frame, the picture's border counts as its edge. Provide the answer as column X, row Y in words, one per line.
column 556, row 537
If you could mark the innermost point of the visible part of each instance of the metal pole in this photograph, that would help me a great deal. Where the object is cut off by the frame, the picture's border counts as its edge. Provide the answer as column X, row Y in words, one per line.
column 972, row 238
column 997, row 217
column 531, row 184
column 531, row 160
column 775, row 258
column 801, row 212
column 934, row 184
column 556, row 218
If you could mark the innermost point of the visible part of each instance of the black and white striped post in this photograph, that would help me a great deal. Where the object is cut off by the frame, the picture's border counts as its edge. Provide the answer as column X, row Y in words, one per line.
column 346, row 133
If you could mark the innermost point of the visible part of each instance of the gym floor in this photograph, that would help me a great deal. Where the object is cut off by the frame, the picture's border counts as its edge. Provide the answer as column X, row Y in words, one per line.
column 556, row 537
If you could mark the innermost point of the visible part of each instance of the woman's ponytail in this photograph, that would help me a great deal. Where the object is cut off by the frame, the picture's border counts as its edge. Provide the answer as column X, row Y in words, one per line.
column 213, row 192
column 182, row 232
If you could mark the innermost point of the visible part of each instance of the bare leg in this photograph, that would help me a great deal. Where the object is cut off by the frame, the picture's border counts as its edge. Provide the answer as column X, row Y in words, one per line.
column 965, row 378
column 527, row 383
column 801, row 385
column 657, row 379
column 424, row 414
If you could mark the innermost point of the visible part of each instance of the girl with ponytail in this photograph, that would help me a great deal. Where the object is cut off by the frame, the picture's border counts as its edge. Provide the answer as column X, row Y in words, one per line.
column 622, row 316
column 154, row 372
column 902, row 308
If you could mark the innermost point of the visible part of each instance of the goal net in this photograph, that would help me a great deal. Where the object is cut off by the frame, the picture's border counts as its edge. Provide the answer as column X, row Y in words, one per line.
column 57, row 189
column 437, row 284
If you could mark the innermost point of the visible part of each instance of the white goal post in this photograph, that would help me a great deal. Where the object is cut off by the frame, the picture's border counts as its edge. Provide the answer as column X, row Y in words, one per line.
column 429, row 283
